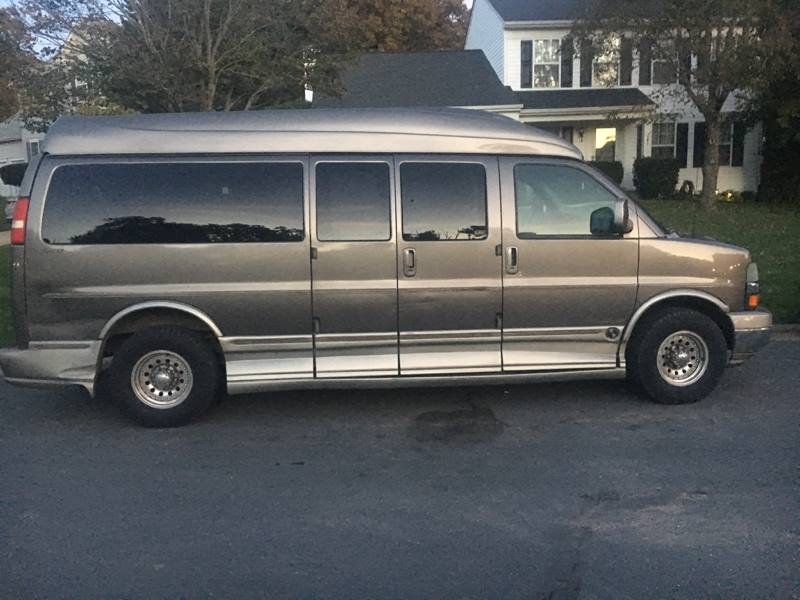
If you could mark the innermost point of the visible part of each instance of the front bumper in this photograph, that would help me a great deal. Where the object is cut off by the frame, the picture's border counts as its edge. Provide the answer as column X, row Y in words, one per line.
column 751, row 333
column 46, row 364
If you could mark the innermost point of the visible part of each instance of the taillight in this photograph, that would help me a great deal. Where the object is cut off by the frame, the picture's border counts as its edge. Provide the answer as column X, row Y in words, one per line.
column 20, row 221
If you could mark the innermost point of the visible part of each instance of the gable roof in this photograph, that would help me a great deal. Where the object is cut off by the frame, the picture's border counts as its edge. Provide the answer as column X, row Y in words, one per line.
column 538, row 10
column 583, row 98
column 458, row 78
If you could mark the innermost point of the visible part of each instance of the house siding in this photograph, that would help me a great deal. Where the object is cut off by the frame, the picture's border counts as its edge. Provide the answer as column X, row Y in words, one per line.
column 672, row 106
column 13, row 138
column 486, row 24
column 511, row 43
column 486, row 33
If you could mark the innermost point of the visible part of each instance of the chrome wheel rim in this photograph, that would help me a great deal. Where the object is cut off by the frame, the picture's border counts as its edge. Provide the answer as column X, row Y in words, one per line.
column 162, row 379
column 682, row 358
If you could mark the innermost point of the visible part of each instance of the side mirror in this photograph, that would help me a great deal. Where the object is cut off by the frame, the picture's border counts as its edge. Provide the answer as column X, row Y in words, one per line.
column 610, row 221
column 622, row 221
column 601, row 221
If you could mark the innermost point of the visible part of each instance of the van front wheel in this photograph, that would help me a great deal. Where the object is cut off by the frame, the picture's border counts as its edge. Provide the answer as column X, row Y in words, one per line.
column 678, row 356
column 164, row 377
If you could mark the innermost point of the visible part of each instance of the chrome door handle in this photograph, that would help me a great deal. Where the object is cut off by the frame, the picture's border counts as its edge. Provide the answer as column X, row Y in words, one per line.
column 409, row 262
column 512, row 260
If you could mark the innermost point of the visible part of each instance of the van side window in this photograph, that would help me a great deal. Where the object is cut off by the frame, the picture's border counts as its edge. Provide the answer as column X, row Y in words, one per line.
column 556, row 200
column 174, row 203
column 353, row 202
column 443, row 201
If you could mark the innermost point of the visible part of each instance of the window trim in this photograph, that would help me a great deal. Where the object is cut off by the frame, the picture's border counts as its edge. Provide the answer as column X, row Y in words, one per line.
column 728, row 127
column 557, row 63
column 571, row 236
column 531, row 71
column 55, row 163
column 614, row 58
column 30, row 144
column 435, row 160
column 674, row 139
column 314, row 221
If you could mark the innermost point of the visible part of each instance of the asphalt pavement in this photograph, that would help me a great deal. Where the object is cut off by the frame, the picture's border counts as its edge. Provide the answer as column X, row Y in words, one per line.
column 553, row 491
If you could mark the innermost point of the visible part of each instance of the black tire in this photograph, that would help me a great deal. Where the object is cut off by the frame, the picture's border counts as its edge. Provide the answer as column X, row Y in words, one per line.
column 183, row 345
column 645, row 365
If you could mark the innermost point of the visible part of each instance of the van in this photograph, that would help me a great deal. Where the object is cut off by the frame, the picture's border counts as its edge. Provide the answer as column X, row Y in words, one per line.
column 181, row 256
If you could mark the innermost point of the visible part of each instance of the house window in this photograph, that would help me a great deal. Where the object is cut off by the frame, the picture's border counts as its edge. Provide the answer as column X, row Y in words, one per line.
column 605, row 71
column 664, row 64
column 731, row 145
column 526, row 64
column 663, row 140
column 726, row 145
column 32, row 147
column 547, row 63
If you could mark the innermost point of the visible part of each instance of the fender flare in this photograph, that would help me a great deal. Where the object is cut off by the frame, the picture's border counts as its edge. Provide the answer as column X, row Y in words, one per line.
column 650, row 302
column 185, row 308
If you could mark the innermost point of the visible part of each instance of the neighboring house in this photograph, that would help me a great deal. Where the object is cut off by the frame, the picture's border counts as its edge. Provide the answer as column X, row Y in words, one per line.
column 17, row 145
column 610, row 109
column 455, row 79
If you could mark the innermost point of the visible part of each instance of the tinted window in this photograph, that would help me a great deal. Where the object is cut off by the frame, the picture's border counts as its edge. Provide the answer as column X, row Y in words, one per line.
column 556, row 200
column 443, row 201
column 353, row 202
column 177, row 203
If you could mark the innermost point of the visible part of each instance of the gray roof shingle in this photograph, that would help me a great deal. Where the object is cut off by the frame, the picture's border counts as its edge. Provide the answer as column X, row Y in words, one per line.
column 583, row 98
column 422, row 79
column 539, row 10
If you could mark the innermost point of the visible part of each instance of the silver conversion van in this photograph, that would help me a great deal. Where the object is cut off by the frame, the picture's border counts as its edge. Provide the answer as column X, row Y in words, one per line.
column 183, row 255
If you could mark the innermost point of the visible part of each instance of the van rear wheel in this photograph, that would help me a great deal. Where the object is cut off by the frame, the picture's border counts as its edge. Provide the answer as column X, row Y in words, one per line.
column 678, row 356
column 164, row 377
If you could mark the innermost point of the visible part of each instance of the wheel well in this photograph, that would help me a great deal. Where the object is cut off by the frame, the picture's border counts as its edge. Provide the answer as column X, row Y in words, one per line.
column 701, row 305
column 155, row 317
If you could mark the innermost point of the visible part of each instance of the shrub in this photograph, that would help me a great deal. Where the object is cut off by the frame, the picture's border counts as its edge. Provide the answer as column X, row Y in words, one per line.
column 655, row 177
column 610, row 168
column 749, row 196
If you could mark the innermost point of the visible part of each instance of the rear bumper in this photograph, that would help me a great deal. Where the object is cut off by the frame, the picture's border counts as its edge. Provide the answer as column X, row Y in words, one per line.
column 46, row 364
column 751, row 333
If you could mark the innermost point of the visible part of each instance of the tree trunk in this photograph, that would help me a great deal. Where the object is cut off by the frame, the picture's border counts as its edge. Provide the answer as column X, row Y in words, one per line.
column 711, row 162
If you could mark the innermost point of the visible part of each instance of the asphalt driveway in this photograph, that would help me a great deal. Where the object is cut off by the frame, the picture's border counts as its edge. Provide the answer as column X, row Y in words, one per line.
column 547, row 491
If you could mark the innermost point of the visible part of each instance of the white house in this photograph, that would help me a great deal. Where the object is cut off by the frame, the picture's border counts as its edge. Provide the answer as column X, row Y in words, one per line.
column 17, row 145
column 611, row 109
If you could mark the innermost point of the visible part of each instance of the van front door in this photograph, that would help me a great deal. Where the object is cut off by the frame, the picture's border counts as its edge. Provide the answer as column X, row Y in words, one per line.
column 567, row 292
column 354, row 273
column 450, row 288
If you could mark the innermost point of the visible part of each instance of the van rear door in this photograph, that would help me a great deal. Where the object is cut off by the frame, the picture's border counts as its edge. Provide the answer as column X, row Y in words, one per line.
column 223, row 235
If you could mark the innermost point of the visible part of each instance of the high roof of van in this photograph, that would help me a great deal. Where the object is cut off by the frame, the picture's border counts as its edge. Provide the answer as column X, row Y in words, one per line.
column 450, row 131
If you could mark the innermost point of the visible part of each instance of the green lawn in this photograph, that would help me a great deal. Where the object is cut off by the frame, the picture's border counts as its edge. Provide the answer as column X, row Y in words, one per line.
column 6, row 326
column 770, row 232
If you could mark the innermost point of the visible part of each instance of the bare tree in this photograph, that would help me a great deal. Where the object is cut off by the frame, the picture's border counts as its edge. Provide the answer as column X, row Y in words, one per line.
column 179, row 55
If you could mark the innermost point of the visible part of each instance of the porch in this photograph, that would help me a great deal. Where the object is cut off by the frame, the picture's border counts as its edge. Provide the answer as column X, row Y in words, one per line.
column 602, row 123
